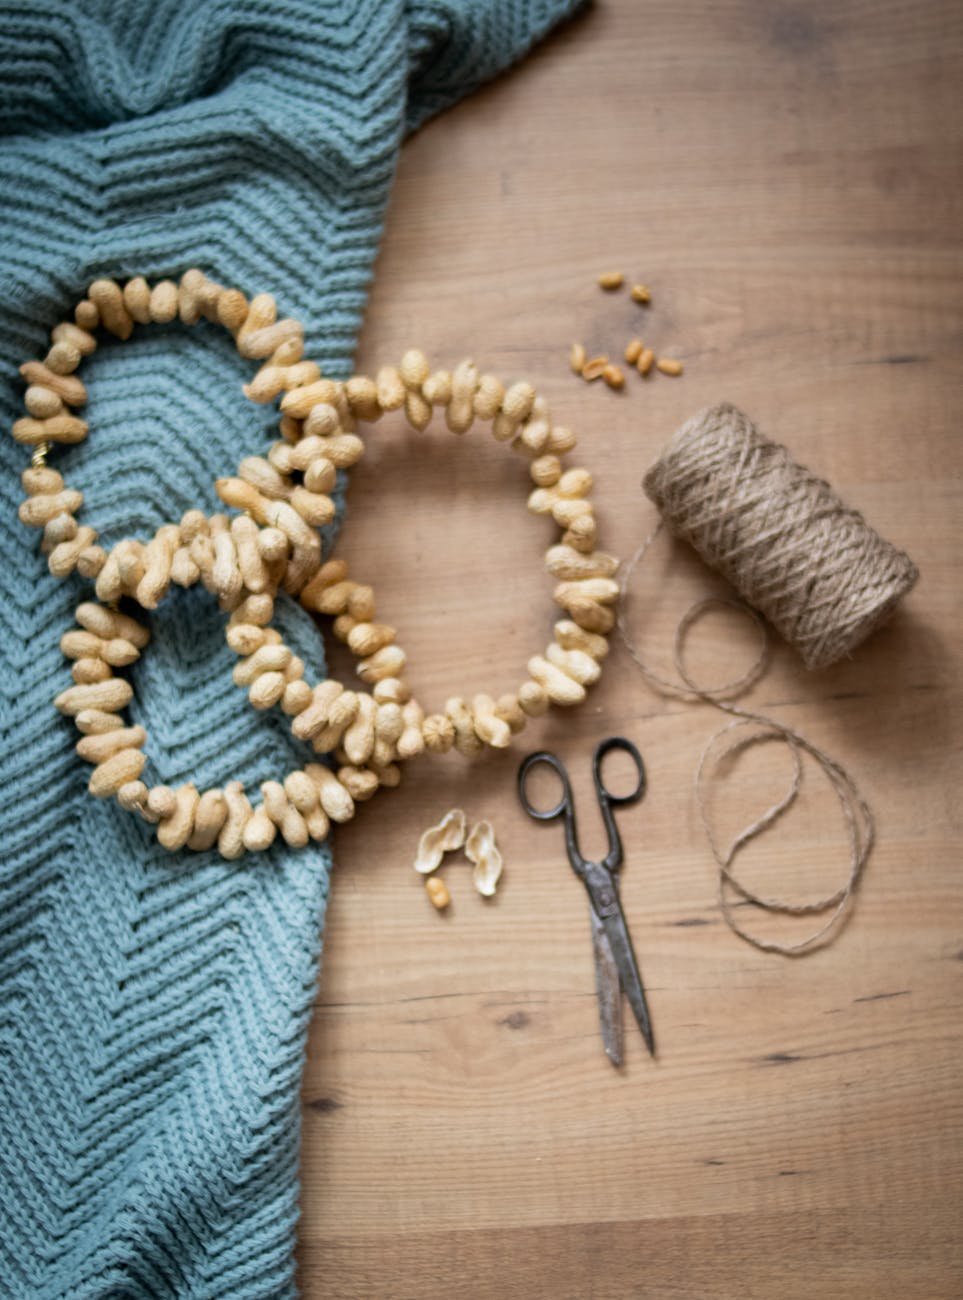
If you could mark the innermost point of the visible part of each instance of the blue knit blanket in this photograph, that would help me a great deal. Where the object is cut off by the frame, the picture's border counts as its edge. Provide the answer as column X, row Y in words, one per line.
column 153, row 1008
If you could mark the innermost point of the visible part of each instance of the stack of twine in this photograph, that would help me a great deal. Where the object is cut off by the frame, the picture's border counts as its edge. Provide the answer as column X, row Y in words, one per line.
column 818, row 573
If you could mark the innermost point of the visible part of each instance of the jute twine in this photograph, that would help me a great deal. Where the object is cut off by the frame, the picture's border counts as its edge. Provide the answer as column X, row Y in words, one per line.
column 820, row 575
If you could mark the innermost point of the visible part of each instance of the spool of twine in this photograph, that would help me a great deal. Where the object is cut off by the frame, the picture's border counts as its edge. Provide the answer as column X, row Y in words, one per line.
column 821, row 576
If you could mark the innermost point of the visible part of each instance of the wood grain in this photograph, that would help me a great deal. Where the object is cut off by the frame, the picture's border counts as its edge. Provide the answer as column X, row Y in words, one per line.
column 787, row 179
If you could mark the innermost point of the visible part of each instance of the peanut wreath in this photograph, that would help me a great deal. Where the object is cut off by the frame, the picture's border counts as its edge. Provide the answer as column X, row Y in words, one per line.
column 273, row 544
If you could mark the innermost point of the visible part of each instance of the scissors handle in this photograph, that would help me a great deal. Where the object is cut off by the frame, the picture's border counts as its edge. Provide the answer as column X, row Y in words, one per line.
column 564, row 808
column 566, row 804
column 544, row 759
column 608, row 800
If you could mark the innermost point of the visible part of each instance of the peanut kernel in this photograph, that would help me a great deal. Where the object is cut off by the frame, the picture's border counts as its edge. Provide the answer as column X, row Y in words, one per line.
column 611, row 280
column 576, row 358
column 668, row 367
column 437, row 891
column 594, row 368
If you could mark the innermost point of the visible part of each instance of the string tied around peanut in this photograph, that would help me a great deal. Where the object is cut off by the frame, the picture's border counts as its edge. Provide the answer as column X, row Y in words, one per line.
column 819, row 574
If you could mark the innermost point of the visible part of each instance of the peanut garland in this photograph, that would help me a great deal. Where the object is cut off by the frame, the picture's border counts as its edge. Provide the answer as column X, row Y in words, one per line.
column 272, row 545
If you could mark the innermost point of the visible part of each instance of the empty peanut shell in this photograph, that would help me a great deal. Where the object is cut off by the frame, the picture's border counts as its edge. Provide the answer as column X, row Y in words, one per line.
column 483, row 852
column 441, row 839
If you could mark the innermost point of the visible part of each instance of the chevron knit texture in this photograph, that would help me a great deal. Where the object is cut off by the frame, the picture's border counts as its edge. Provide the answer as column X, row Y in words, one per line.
column 153, row 1008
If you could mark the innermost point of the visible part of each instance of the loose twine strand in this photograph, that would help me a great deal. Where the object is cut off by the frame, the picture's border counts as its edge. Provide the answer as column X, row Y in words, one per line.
column 857, row 814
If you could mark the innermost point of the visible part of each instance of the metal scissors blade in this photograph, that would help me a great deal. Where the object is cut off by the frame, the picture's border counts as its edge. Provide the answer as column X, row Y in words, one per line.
column 620, row 943
column 608, row 988
column 602, row 885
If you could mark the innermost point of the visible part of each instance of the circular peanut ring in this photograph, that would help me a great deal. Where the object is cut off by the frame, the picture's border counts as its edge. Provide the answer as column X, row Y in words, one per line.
column 300, row 807
column 320, row 436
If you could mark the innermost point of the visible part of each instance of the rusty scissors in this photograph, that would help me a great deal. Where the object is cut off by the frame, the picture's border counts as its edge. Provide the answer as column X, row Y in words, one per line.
column 616, row 968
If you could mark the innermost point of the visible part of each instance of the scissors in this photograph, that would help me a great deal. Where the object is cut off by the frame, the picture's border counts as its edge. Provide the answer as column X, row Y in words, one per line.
column 616, row 968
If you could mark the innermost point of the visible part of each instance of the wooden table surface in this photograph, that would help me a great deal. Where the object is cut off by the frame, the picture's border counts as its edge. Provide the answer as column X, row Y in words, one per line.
column 787, row 179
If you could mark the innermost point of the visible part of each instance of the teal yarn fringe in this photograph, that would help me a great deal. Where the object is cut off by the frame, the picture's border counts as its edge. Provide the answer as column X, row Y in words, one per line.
column 153, row 1008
